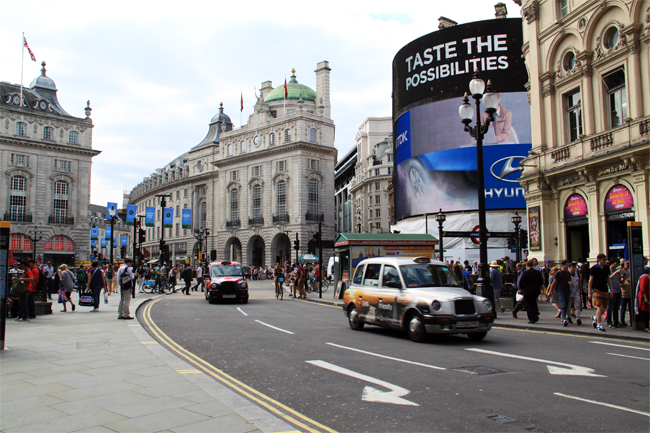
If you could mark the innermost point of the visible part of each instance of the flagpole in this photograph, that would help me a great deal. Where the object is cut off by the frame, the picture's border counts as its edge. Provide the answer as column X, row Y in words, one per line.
column 22, row 63
column 241, row 110
column 285, row 95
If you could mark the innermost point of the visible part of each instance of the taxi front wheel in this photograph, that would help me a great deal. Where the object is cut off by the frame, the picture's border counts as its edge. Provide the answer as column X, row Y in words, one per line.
column 415, row 328
column 355, row 321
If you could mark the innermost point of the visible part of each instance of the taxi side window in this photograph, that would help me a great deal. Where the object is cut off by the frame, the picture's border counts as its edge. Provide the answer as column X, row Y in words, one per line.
column 358, row 275
column 390, row 274
column 371, row 278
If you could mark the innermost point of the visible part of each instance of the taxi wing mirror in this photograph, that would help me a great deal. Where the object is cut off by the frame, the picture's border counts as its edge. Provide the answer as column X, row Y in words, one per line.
column 394, row 284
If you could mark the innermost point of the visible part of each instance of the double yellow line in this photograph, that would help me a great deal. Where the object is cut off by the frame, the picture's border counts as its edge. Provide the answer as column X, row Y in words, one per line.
column 274, row 406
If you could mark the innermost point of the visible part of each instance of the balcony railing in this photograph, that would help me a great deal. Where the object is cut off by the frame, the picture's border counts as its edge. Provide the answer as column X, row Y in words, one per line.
column 18, row 218
column 313, row 217
column 282, row 218
column 233, row 223
column 256, row 221
column 181, row 252
column 60, row 220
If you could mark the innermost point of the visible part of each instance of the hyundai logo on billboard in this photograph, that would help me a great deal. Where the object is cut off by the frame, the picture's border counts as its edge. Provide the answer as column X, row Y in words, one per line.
column 435, row 157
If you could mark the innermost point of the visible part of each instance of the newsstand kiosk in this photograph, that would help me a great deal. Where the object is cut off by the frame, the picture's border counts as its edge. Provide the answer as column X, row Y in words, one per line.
column 351, row 248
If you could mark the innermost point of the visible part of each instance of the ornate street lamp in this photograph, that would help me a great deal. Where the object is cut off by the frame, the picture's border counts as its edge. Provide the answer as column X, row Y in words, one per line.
column 112, row 212
column 466, row 112
column 441, row 218
column 516, row 220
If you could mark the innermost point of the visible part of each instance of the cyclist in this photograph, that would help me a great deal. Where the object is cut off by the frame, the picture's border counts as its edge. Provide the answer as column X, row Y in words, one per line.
column 278, row 274
column 317, row 276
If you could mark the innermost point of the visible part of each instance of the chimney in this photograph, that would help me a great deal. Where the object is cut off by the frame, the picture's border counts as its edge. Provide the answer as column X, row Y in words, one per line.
column 443, row 23
column 323, row 87
column 267, row 86
column 501, row 10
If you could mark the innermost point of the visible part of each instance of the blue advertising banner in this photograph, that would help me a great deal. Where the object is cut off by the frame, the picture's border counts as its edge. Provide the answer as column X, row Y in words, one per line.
column 186, row 219
column 168, row 217
column 94, row 233
column 103, row 243
column 93, row 243
column 131, row 210
column 107, row 232
column 125, row 241
column 110, row 207
column 150, row 217
column 115, row 242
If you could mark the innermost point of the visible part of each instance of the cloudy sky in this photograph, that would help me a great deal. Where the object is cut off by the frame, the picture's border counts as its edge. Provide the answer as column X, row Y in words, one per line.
column 155, row 72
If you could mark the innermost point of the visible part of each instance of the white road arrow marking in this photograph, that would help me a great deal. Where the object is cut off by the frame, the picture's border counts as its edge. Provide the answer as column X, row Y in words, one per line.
column 394, row 396
column 563, row 369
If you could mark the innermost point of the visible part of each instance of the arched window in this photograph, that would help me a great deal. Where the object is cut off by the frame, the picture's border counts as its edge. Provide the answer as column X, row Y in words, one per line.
column 18, row 198
column 287, row 135
column 20, row 242
column 313, row 197
column 234, row 205
column 282, row 199
column 257, row 202
column 59, row 243
column 48, row 133
column 60, row 207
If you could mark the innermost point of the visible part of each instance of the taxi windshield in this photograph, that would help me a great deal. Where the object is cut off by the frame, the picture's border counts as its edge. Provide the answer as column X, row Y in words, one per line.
column 226, row 271
column 428, row 275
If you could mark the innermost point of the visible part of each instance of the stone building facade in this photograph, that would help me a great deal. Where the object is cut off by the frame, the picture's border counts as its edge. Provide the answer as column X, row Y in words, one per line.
column 589, row 90
column 254, row 188
column 45, row 157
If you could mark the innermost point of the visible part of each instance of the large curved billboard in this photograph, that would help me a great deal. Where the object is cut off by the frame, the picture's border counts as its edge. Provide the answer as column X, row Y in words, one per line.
column 435, row 158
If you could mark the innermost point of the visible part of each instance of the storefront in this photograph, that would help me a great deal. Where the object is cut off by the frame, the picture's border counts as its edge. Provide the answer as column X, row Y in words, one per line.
column 618, row 206
column 577, row 227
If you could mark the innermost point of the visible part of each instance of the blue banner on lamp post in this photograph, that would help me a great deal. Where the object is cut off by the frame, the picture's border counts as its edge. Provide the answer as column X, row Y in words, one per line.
column 131, row 210
column 150, row 217
column 111, row 207
column 186, row 219
column 168, row 217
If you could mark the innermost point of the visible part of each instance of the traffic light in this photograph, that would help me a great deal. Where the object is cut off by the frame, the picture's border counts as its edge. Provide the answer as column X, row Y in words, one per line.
column 511, row 242
column 213, row 255
column 123, row 251
column 296, row 245
column 317, row 239
column 523, row 235
column 198, row 256
column 142, row 235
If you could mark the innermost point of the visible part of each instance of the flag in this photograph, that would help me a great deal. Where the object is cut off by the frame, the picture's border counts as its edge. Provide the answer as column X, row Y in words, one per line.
column 286, row 93
column 242, row 101
column 26, row 45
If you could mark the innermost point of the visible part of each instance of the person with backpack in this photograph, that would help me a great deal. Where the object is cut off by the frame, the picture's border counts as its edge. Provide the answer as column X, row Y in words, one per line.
column 125, row 280
column 67, row 279
column 186, row 275
column 142, row 272
column 96, row 281
column 109, row 280
column 81, row 279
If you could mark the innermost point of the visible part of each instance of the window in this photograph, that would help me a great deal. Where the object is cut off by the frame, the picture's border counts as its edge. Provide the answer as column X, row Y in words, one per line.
column 313, row 164
column 390, row 157
column 203, row 217
column 257, row 201
column 312, row 135
column 377, row 213
column 377, row 199
column 185, row 193
column 177, row 211
column 287, row 135
column 280, row 166
column 291, row 111
column 234, row 205
column 282, row 198
column 313, row 197
column 60, row 200
column 369, row 213
column 372, row 226
column 372, row 275
column 574, row 114
column 377, row 187
column 611, row 38
column 273, row 113
column 158, row 215
column 390, row 170
column 564, row 7
column 234, row 175
column 378, row 226
column 271, row 139
column 369, row 200
column 256, row 170
column 243, row 146
column 178, row 229
column 616, row 97
column 73, row 137
column 569, row 61
column 18, row 198
column 62, row 165
column 19, row 160
column 178, row 195
column 48, row 133
column 377, row 172
column 21, row 128
column 229, row 149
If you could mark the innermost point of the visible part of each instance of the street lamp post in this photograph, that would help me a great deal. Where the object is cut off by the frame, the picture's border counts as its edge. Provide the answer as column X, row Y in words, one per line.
column 113, row 214
column 163, row 203
column 35, row 235
column 441, row 218
column 200, row 235
column 466, row 112
column 516, row 220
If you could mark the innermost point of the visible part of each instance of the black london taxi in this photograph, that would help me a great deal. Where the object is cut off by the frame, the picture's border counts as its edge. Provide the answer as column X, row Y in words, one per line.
column 418, row 295
column 226, row 282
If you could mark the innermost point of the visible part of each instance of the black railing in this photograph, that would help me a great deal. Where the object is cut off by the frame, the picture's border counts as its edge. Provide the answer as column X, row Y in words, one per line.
column 181, row 252
column 60, row 220
column 233, row 223
column 18, row 217
column 256, row 221
column 314, row 217
column 282, row 218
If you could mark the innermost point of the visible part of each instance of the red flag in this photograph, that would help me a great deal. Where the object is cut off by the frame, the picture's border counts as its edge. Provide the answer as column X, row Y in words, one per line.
column 242, row 101
column 286, row 92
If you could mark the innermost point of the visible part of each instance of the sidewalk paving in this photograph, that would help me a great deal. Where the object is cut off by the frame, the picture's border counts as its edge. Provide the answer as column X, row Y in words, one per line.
column 89, row 372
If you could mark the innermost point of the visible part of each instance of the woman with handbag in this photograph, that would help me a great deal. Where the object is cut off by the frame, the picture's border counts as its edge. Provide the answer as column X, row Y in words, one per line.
column 67, row 281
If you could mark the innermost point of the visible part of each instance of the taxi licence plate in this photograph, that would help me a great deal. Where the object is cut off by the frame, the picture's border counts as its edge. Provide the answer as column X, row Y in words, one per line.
column 472, row 324
column 229, row 296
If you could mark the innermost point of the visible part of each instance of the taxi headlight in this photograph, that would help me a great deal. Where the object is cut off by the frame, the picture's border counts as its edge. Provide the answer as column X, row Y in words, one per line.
column 436, row 306
column 242, row 284
column 487, row 304
column 213, row 286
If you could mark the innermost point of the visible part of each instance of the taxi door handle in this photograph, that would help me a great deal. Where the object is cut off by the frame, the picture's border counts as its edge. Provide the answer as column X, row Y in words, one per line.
column 380, row 299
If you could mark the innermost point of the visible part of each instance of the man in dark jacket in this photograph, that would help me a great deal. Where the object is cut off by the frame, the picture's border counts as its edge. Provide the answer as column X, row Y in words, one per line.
column 529, row 286
column 186, row 275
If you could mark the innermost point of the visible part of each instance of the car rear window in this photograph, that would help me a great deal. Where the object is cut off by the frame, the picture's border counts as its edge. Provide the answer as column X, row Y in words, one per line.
column 226, row 271
column 423, row 275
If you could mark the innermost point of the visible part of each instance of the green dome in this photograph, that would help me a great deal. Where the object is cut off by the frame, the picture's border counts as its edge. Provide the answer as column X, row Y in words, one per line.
column 294, row 89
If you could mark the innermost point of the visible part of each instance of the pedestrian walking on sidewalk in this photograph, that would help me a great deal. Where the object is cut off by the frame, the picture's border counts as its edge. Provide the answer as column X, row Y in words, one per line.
column 561, row 287
column 599, row 284
column 530, row 285
column 125, row 279
column 67, row 279
column 97, row 282
column 642, row 299
column 142, row 272
column 626, row 292
column 23, row 298
column 584, row 280
column 576, row 290
column 199, row 277
column 186, row 275
column 495, row 277
column 520, row 302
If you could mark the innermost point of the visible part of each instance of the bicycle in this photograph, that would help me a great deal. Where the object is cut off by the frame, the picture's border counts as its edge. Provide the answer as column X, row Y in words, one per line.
column 279, row 291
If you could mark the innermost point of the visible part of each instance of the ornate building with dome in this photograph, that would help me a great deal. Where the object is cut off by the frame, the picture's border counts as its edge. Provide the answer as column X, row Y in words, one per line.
column 254, row 188
column 45, row 157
